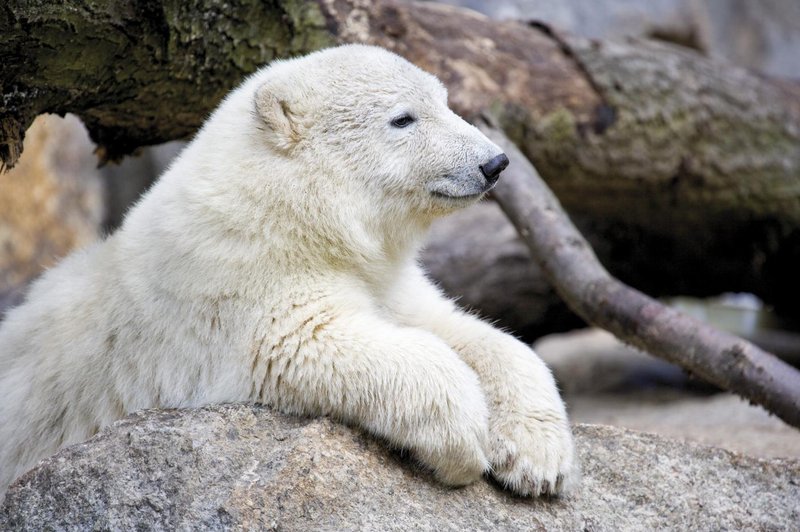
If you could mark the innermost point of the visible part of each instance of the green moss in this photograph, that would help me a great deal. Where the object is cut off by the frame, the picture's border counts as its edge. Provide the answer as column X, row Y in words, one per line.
column 558, row 128
column 310, row 31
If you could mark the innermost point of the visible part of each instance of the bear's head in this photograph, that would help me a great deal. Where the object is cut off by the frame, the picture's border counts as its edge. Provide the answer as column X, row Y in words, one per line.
column 352, row 139
column 374, row 119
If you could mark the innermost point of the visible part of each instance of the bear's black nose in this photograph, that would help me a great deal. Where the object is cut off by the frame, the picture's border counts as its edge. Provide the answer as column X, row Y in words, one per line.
column 491, row 170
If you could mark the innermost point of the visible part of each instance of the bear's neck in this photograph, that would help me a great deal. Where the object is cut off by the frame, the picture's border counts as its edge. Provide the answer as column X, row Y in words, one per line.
column 225, row 248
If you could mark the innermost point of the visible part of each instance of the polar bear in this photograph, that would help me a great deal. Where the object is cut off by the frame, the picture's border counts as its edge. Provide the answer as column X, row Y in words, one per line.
column 275, row 262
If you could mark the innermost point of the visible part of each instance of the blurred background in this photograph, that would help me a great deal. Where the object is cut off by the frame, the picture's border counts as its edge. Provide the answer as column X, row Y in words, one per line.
column 56, row 199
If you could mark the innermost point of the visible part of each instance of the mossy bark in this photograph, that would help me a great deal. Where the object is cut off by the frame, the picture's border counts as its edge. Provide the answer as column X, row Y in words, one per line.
column 695, row 187
column 140, row 72
column 687, row 172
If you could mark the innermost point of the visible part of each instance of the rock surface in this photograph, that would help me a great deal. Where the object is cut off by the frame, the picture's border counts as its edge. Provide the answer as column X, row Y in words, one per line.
column 245, row 467
column 592, row 361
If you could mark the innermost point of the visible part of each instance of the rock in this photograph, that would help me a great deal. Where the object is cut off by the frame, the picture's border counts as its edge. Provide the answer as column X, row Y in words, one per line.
column 590, row 361
column 56, row 199
column 604, row 381
column 245, row 467
column 51, row 202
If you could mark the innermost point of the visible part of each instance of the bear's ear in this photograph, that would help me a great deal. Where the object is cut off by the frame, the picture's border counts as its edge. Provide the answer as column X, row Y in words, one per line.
column 281, row 126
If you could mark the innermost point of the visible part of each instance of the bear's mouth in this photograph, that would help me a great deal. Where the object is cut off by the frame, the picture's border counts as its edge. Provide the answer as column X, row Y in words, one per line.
column 464, row 197
column 459, row 188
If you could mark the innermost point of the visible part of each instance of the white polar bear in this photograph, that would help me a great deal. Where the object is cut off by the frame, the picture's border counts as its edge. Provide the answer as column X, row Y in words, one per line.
column 275, row 262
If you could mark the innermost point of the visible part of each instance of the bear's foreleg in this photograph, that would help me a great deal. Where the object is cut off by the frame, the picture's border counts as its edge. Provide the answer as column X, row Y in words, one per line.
column 531, row 449
column 400, row 383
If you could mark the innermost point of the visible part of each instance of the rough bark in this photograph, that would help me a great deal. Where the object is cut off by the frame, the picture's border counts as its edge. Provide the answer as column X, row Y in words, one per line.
column 700, row 169
column 144, row 72
column 572, row 268
column 140, row 72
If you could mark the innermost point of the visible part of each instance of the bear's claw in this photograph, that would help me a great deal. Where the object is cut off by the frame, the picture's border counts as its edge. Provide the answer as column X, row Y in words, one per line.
column 533, row 458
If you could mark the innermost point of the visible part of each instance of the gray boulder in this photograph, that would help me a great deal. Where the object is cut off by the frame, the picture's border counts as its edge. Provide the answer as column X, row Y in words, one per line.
column 246, row 467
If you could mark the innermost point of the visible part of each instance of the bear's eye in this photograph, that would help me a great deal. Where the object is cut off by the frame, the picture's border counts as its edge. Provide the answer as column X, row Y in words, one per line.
column 403, row 121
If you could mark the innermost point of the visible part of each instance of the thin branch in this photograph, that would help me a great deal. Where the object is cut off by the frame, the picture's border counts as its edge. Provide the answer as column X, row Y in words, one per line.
column 572, row 268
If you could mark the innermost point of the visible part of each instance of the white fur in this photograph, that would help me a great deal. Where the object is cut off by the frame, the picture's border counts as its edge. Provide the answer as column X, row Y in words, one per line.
column 274, row 262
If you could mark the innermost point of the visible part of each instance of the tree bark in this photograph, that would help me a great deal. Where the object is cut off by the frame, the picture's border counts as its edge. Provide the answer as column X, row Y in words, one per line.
column 570, row 265
column 140, row 72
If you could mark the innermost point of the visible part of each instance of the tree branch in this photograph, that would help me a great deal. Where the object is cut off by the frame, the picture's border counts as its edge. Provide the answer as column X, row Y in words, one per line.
column 573, row 269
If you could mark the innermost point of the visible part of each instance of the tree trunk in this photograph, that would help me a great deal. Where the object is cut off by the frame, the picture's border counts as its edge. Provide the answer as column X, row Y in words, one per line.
column 688, row 171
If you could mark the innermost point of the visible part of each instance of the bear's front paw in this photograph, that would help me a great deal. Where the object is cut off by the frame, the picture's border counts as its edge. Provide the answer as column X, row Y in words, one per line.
column 454, row 444
column 461, row 466
column 533, row 455
column 460, row 457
